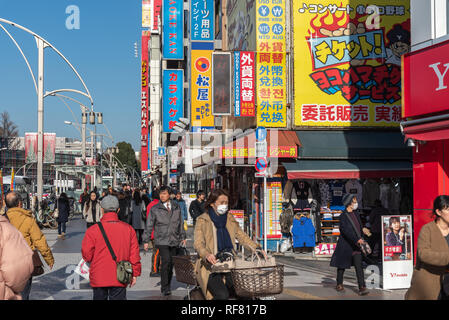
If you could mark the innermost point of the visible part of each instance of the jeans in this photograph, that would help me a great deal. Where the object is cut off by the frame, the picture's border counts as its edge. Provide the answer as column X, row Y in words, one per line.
column 110, row 293
column 61, row 225
column 166, row 253
column 357, row 260
column 26, row 291
column 218, row 288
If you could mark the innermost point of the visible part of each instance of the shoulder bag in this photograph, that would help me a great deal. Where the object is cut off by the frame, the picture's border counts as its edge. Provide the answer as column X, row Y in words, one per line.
column 124, row 268
column 364, row 247
column 143, row 212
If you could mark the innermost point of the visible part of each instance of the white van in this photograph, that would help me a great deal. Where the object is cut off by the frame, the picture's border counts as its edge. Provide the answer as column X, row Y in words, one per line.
column 22, row 186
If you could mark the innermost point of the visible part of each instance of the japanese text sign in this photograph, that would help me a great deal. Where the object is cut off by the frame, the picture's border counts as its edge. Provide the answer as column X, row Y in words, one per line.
column 270, row 25
column 172, row 98
column 146, row 13
column 221, row 63
column 201, row 90
column 202, row 14
column 144, row 98
column 244, row 84
column 347, row 68
column 271, row 90
column 173, row 29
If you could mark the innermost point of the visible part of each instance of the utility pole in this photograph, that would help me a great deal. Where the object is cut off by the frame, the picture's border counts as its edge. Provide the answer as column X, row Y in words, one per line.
column 40, row 119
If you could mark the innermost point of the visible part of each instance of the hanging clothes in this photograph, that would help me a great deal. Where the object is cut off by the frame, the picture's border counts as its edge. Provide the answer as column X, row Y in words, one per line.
column 336, row 188
column 355, row 188
column 370, row 192
column 303, row 232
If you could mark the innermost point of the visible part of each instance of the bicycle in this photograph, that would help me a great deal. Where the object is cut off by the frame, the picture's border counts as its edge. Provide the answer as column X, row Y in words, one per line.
column 45, row 217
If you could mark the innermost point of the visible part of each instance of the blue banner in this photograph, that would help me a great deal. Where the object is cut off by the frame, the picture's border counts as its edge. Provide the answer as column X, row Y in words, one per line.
column 173, row 30
column 172, row 98
column 202, row 22
column 237, row 83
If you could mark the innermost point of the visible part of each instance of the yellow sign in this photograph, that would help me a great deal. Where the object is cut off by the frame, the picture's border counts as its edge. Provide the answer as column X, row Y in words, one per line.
column 347, row 62
column 201, row 90
column 271, row 72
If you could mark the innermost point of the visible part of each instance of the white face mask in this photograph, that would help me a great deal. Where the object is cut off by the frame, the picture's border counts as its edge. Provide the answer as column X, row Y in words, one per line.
column 222, row 209
column 355, row 206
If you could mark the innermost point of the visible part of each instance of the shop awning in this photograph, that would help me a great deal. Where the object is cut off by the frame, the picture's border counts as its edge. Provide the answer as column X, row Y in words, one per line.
column 346, row 169
column 353, row 145
column 438, row 130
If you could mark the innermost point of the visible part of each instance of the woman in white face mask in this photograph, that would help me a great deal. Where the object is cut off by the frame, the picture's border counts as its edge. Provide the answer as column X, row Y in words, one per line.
column 215, row 233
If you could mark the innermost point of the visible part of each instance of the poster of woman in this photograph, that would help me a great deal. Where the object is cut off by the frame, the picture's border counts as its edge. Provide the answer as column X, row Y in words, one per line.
column 397, row 238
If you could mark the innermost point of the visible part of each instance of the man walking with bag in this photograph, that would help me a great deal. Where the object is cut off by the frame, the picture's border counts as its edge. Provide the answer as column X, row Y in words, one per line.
column 169, row 233
column 112, row 250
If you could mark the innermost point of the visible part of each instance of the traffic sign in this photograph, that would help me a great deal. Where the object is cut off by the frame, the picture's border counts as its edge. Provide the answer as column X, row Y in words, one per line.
column 261, row 133
column 261, row 149
column 161, row 151
column 261, row 164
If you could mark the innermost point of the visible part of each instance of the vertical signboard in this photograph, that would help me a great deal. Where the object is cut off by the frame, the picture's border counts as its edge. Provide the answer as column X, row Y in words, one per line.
column 221, row 79
column 347, row 68
column 173, row 30
column 49, row 147
column 30, row 147
column 201, row 95
column 147, row 13
column 144, row 98
column 397, row 251
column 274, row 209
column 202, row 16
column 157, row 7
column 172, row 98
column 271, row 70
column 244, row 84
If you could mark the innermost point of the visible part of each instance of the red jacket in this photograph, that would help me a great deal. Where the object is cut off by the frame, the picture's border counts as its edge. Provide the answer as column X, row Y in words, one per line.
column 103, row 269
column 151, row 205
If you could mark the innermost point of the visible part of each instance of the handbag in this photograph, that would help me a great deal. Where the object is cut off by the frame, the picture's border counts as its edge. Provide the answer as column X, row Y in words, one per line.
column 56, row 213
column 364, row 247
column 124, row 268
column 143, row 213
column 38, row 265
column 182, row 251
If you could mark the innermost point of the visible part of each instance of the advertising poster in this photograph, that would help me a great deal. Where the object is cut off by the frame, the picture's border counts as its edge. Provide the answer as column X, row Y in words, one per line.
column 144, row 98
column 147, row 13
column 241, row 25
column 30, row 147
column 201, row 90
column 244, row 84
column 221, row 71
column 172, row 98
column 157, row 7
column 274, row 209
column 173, row 30
column 325, row 249
column 49, row 147
column 397, row 251
column 347, row 65
column 202, row 20
column 239, row 216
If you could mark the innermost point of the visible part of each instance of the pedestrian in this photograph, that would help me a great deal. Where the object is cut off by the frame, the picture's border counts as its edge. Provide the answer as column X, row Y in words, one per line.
column 84, row 197
column 124, row 208
column 16, row 261
column 63, row 206
column 215, row 232
column 196, row 207
column 169, row 233
column 430, row 280
column 156, row 256
column 24, row 221
column 138, row 209
column 375, row 219
column 92, row 210
column 182, row 204
column 146, row 199
column 123, row 242
column 347, row 252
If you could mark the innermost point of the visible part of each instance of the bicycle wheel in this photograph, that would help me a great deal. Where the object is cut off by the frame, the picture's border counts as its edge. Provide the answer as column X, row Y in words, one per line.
column 52, row 223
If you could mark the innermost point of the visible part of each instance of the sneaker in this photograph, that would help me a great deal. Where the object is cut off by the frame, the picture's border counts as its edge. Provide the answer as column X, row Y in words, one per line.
column 166, row 293
column 154, row 274
column 363, row 291
column 59, row 236
column 340, row 288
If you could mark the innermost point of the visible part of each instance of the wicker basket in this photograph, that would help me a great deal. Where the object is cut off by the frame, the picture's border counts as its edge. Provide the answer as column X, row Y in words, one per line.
column 185, row 269
column 258, row 282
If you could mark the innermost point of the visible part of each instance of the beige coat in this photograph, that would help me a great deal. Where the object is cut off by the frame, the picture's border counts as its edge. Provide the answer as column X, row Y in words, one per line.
column 205, row 243
column 16, row 261
column 432, row 261
column 87, row 213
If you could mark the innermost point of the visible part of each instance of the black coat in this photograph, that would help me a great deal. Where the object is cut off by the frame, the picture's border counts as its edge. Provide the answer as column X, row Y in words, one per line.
column 64, row 210
column 347, row 242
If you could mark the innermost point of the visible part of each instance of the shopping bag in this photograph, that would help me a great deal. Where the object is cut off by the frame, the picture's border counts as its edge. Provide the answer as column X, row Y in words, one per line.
column 83, row 269
column 255, row 261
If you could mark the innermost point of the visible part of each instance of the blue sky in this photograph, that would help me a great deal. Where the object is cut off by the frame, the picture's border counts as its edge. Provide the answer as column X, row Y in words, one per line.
column 102, row 51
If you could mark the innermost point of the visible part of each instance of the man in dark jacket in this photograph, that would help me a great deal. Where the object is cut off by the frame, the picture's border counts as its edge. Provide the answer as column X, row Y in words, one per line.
column 169, row 233
column 103, row 269
column 196, row 207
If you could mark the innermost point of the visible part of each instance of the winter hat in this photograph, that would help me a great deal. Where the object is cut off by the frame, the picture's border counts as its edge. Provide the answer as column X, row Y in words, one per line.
column 347, row 199
column 109, row 203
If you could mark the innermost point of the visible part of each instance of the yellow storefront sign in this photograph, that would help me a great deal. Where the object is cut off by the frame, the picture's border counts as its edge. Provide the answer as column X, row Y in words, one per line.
column 347, row 62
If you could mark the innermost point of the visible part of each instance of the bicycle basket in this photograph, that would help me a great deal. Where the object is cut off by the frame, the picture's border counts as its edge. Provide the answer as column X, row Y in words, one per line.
column 185, row 269
column 258, row 282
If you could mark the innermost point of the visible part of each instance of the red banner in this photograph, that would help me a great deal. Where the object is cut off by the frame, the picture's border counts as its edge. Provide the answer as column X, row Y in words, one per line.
column 144, row 98
column 157, row 6
column 247, row 84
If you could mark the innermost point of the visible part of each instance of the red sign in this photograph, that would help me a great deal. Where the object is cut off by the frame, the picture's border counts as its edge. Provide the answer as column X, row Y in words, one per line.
column 144, row 98
column 426, row 81
column 325, row 249
column 247, row 85
column 157, row 13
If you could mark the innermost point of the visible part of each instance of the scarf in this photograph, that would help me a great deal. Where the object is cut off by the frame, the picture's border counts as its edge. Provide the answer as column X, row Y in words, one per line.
column 93, row 208
column 223, row 238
